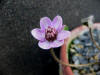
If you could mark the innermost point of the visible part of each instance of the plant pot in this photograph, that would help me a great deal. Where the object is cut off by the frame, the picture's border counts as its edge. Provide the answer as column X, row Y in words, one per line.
column 66, row 70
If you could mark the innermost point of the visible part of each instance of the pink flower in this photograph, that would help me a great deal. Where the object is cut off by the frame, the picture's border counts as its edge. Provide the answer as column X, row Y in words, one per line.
column 51, row 34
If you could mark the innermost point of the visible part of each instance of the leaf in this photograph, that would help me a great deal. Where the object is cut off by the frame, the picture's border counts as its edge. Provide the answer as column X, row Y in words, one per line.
column 66, row 28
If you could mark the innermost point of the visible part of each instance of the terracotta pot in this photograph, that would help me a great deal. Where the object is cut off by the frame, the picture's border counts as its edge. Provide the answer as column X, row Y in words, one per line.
column 66, row 70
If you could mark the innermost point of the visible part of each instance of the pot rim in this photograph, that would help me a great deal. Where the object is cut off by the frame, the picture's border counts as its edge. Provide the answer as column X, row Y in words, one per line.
column 79, row 30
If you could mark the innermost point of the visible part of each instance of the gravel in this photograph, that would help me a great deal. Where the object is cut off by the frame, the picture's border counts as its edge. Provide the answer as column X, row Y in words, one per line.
column 83, row 51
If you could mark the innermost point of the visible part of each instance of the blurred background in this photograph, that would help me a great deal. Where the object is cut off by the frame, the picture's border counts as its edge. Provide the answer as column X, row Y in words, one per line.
column 19, row 51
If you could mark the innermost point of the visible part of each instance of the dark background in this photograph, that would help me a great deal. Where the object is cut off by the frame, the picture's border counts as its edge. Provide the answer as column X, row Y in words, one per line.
column 19, row 52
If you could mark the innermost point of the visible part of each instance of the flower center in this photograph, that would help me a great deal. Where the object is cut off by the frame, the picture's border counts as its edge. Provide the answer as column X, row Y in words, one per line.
column 50, row 34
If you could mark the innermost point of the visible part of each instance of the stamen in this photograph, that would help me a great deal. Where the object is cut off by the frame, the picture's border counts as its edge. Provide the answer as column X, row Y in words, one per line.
column 50, row 34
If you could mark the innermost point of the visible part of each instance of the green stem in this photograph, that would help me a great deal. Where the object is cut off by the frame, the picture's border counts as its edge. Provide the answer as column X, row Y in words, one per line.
column 71, row 65
column 91, row 35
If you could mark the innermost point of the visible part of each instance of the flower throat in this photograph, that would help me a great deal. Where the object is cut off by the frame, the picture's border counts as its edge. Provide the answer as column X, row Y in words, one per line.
column 50, row 34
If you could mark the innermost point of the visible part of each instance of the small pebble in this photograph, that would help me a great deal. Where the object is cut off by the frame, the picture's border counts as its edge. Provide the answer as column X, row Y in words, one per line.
column 96, row 67
column 88, row 44
column 76, row 72
column 74, row 58
column 96, row 50
column 84, row 62
column 92, row 60
column 73, row 50
column 98, row 57
column 76, row 41
column 77, row 62
column 98, row 73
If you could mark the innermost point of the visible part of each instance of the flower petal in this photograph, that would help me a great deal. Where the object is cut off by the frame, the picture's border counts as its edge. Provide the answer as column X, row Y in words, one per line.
column 38, row 34
column 57, row 43
column 63, row 34
column 57, row 23
column 44, row 44
column 45, row 22
column 62, row 28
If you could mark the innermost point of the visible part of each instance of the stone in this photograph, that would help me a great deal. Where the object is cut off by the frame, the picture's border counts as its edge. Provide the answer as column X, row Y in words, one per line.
column 77, row 62
column 88, row 44
column 96, row 67
column 76, row 72
column 98, row 73
column 74, row 58
column 76, row 41
column 92, row 60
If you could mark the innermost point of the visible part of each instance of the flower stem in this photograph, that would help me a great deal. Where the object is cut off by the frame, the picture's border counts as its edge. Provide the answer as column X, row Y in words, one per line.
column 71, row 65
column 91, row 35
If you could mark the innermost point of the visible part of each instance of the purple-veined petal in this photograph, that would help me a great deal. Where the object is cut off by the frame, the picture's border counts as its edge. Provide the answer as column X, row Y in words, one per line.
column 62, row 28
column 38, row 34
column 63, row 34
column 48, row 45
column 45, row 22
column 44, row 44
column 56, row 43
column 57, row 23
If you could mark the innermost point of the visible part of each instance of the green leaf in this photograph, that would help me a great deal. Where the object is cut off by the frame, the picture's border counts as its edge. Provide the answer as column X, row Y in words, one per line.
column 66, row 28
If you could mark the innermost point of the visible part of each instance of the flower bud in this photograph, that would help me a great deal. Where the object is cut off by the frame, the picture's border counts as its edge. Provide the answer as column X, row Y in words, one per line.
column 88, row 21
